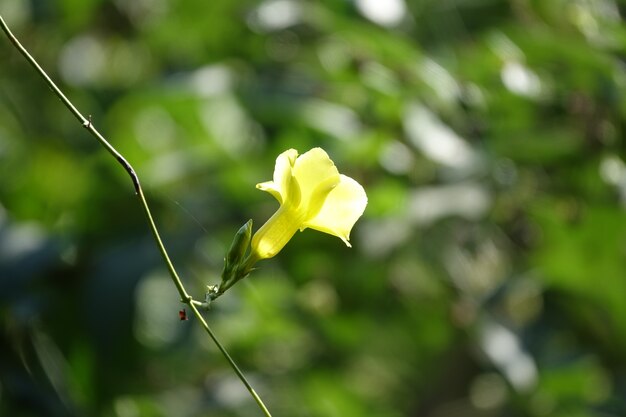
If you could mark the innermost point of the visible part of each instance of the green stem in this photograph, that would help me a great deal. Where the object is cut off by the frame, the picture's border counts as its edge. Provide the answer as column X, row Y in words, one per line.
column 86, row 123
column 125, row 164
column 232, row 363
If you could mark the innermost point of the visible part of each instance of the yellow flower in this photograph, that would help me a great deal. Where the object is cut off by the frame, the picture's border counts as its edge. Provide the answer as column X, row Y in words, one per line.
column 312, row 194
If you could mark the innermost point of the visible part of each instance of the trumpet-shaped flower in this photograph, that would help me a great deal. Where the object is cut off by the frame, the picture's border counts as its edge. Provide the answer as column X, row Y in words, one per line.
column 312, row 194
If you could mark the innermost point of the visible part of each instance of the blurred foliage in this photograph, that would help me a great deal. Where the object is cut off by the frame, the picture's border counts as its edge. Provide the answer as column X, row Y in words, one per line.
column 486, row 277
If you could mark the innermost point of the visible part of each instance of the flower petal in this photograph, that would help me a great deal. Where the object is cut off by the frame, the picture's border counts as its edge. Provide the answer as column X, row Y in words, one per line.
column 311, row 169
column 275, row 233
column 318, row 197
column 281, row 186
column 271, row 188
column 342, row 208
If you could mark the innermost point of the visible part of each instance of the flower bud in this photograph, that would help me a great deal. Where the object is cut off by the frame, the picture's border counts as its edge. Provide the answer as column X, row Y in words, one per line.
column 239, row 247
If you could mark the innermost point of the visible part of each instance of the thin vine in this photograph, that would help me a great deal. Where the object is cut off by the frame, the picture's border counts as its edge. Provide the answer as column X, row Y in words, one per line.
column 184, row 295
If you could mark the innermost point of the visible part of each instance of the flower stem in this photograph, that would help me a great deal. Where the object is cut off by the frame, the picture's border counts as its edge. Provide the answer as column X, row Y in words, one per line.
column 86, row 123
column 232, row 363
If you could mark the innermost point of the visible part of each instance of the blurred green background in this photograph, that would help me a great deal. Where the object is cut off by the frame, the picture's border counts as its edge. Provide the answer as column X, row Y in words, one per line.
column 487, row 275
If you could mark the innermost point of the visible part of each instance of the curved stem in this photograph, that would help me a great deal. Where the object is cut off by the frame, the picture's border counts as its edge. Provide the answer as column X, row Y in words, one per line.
column 86, row 123
column 125, row 164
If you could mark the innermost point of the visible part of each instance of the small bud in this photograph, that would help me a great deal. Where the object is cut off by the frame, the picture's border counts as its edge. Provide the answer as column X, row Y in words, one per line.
column 239, row 247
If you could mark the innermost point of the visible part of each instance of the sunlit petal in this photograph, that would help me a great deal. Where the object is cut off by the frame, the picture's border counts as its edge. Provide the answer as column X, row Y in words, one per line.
column 318, row 197
column 311, row 169
column 311, row 193
column 283, row 187
column 270, row 187
column 275, row 233
column 283, row 171
column 342, row 208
